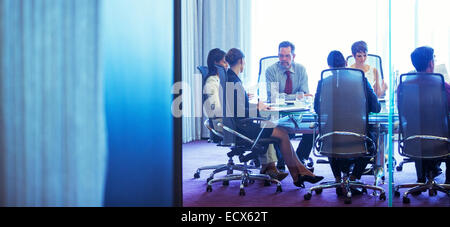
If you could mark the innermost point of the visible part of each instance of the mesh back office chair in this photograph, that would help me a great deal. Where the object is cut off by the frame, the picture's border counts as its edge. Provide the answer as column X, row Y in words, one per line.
column 424, row 132
column 343, row 133
column 372, row 60
column 216, row 137
column 264, row 63
column 375, row 62
column 239, row 144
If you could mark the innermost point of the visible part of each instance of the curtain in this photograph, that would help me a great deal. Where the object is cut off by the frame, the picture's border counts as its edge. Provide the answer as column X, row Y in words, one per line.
column 52, row 130
column 420, row 23
column 208, row 24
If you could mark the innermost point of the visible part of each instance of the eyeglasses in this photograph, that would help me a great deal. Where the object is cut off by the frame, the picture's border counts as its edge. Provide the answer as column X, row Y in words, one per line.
column 284, row 56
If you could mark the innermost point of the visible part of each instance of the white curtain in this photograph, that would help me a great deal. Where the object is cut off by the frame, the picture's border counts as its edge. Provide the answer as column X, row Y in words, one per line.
column 208, row 24
column 52, row 131
column 419, row 23
column 318, row 27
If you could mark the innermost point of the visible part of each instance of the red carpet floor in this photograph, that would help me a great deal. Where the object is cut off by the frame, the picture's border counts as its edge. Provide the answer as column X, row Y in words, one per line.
column 202, row 153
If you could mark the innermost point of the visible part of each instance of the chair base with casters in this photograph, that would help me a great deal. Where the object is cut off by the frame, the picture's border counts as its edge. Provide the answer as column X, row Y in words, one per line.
column 431, row 186
column 230, row 167
column 404, row 161
column 346, row 185
column 246, row 177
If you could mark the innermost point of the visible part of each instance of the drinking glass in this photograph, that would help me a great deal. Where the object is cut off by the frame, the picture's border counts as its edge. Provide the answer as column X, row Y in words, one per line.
column 299, row 97
column 281, row 98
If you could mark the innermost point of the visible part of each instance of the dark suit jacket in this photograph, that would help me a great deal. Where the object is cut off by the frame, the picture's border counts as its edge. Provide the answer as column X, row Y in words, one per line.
column 242, row 107
column 447, row 90
column 372, row 99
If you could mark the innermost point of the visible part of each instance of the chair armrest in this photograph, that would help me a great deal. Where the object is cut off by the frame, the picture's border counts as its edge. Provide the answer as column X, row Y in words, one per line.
column 251, row 119
column 343, row 133
column 234, row 132
column 313, row 125
column 426, row 137
column 206, row 124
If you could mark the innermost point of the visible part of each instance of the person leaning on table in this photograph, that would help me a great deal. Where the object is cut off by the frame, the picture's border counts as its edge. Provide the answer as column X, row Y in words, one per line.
column 298, row 171
column 213, row 109
column 336, row 60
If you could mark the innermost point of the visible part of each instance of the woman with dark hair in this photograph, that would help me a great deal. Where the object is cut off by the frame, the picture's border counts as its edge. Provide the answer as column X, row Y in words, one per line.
column 298, row 171
column 211, row 88
column 359, row 52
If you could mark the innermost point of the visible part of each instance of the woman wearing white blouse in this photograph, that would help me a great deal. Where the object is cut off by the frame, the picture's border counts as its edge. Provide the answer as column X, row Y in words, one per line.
column 212, row 107
column 359, row 52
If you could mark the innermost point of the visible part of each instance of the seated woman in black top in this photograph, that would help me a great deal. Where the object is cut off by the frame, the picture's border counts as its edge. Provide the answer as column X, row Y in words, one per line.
column 336, row 60
column 298, row 171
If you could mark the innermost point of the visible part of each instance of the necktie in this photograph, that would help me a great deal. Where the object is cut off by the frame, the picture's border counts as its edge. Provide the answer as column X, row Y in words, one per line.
column 288, row 87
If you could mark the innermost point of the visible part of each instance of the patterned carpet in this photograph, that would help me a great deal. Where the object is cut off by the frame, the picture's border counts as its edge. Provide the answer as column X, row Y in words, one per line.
column 202, row 153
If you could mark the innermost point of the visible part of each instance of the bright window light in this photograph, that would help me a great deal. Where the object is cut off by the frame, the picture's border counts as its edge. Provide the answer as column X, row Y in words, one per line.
column 316, row 28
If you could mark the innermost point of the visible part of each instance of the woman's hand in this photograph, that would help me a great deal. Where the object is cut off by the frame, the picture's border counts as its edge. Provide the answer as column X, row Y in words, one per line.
column 384, row 87
column 250, row 96
column 262, row 106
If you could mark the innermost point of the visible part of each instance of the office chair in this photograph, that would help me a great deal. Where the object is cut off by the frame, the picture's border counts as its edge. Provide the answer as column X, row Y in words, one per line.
column 216, row 137
column 343, row 133
column 240, row 145
column 424, row 126
column 375, row 62
column 372, row 60
column 265, row 63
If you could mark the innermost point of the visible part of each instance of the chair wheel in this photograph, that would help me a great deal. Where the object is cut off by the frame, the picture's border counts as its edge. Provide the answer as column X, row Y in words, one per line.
column 399, row 168
column 197, row 175
column 307, row 196
column 432, row 192
column 226, row 183
column 364, row 190
column 310, row 163
column 319, row 191
column 383, row 196
column 267, row 183
column 348, row 200
column 406, row 200
column 209, row 188
column 209, row 179
column 279, row 189
column 241, row 192
column 397, row 194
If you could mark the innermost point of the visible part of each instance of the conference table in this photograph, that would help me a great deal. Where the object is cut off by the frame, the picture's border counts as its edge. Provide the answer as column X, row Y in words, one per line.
column 300, row 118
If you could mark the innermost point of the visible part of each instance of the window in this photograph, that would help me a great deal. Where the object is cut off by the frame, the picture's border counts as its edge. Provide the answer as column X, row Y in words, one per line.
column 316, row 28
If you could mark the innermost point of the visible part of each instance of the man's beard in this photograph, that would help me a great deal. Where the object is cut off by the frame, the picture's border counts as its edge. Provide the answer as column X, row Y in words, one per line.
column 285, row 65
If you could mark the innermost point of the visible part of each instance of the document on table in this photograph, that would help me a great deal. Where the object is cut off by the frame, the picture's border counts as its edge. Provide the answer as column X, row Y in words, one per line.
column 288, row 108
